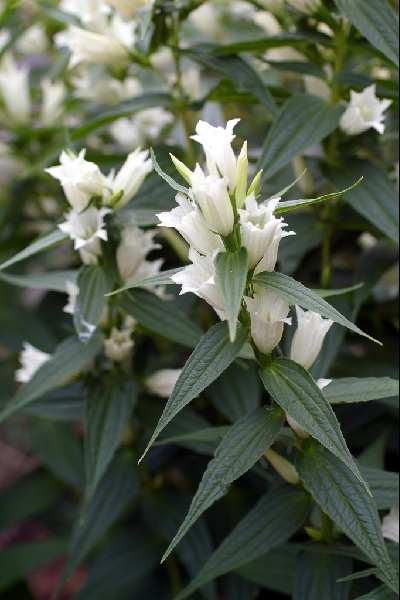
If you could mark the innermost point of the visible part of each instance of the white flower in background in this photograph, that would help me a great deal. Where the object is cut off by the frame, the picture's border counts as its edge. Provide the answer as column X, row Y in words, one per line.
column 161, row 383
column 72, row 290
column 261, row 232
column 129, row 178
column 297, row 428
column 104, row 91
column 33, row 40
column 364, row 111
column 390, row 526
column 212, row 196
column 216, row 142
column 317, row 87
column 53, row 96
column 14, row 87
column 187, row 219
column 308, row 339
column 80, row 179
column 85, row 227
column 162, row 59
column 129, row 7
column 5, row 37
column 119, row 345
column 31, row 359
column 131, row 252
column 145, row 126
column 199, row 278
column 285, row 468
column 190, row 81
column 268, row 22
column 306, row 6
column 90, row 12
column 268, row 313
column 207, row 19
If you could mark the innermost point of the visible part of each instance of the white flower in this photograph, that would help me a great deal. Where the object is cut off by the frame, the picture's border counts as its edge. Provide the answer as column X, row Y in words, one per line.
column 199, row 278
column 72, row 291
column 89, row 12
column 390, row 526
column 306, row 6
column 130, row 177
column 119, row 345
column 135, row 244
column 187, row 219
column 364, row 111
column 53, row 96
column 317, row 87
column 144, row 126
column 161, row 383
column 268, row 314
column 105, row 91
column 261, row 232
column 216, row 142
column 310, row 333
column 14, row 87
column 190, row 81
column 33, row 40
column 212, row 196
column 31, row 359
column 268, row 22
column 80, row 179
column 85, row 227
column 285, row 468
column 297, row 428
column 129, row 7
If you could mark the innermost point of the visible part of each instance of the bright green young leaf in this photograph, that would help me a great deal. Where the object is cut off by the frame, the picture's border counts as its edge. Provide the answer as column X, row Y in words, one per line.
column 296, row 293
column 304, row 120
column 377, row 21
column 70, row 356
column 213, row 354
column 316, row 576
column 274, row 570
column 384, row 486
column 161, row 317
column 93, row 283
column 163, row 278
column 276, row 517
column 293, row 204
column 108, row 407
column 344, row 499
column 231, row 275
column 380, row 593
column 241, row 448
column 52, row 238
column 360, row 389
column 375, row 197
column 54, row 281
column 175, row 186
column 62, row 404
column 296, row 392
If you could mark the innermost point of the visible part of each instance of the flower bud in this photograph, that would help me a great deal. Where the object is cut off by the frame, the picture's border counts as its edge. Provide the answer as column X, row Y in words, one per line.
column 268, row 313
column 241, row 177
column 310, row 333
column 182, row 169
column 390, row 526
column 285, row 468
column 161, row 383
column 255, row 186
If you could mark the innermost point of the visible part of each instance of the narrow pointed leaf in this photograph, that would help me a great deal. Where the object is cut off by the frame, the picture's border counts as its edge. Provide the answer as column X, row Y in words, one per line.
column 163, row 278
column 213, row 354
column 244, row 444
column 273, row 570
column 176, row 186
column 296, row 392
column 384, row 486
column 296, row 293
column 316, row 576
column 53, row 238
column 273, row 520
column 70, row 356
column 231, row 275
column 323, row 293
column 210, row 434
column 93, row 282
column 360, row 389
column 108, row 407
column 344, row 499
column 293, row 204
column 54, row 281
column 380, row 593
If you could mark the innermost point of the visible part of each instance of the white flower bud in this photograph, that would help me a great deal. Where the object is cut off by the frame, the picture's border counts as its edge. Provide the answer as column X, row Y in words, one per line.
column 241, row 177
column 268, row 313
column 161, row 383
column 182, row 169
column 390, row 526
column 131, row 176
column 52, row 101
column 31, row 359
column 212, row 196
column 285, row 468
column 14, row 87
column 119, row 345
column 364, row 111
column 310, row 333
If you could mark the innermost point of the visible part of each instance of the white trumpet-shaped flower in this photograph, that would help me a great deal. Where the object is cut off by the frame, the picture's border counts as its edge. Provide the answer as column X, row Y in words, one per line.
column 390, row 526
column 85, row 227
column 144, row 126
column 212, row 196
column 161, row 383
column 53, row 96
column 14, row 88
column 31, row 359
column 129, row 178
column 268, row 313
column 364, row 111
column 131, row 252
column 308, row 339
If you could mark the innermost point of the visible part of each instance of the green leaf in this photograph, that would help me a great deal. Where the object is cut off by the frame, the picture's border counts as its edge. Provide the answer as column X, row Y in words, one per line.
column 52, row 238
column 60, row 448
column 293, row 204
column 379, row 593
column 296, row 392
column 55, row 281
column 171, row 182
column 70, row 356
column 93, row 283
column 210, row 434
column 276, row 517
column 29, row 497
column 296, row 293
column 213, row 354
column 316, row 576
column 304, row 120
column 108, row 407
column 62, row 404
column 274, row 570
column 22, row 559
column 377, row 21
column 344, row 499
column 275, row 41
column 337, row 292
column 161, row 317
column 360, row 389
column 163, row 278
column 231, row 276
column 309, row 234
column 241, row 448
column 375, row 198
column 384, row 486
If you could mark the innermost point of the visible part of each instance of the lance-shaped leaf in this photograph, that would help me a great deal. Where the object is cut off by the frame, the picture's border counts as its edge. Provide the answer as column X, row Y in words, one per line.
column 296, row 293
column 377, row 21
column 296, row 392
column 48, row 240
column 273, row 520
column 108, row 407
column 175, row 186
column 316, row 576
column 161, row 317
column 344, row 499
column 231, row 274
column 273, row 570
column 54, row 281
column 304, row 120
column 93, row 283
column 384, row 486
column 360, row 389
column 293, row 204
column 213, row 354
column 70, row 356
column 380, row 593
column 240, row 449
column 163, row 278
